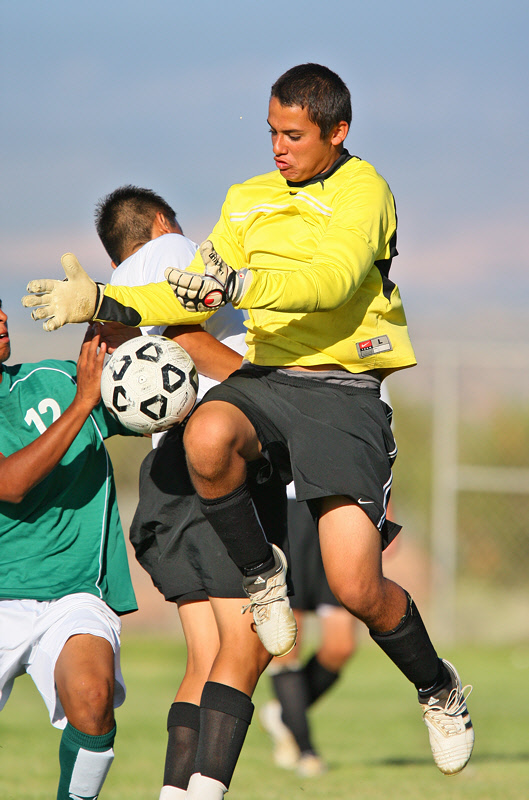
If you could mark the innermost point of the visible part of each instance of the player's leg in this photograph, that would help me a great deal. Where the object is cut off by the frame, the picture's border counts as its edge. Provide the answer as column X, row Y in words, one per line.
column 183, row 721
column 338, row 645
column 84, row 677
column 297, row 686
column 226, row 708
column 241, row 658
column 219, row 441
column 351, row 551
column 274, row 712
column 202, row 641
column 321, row 671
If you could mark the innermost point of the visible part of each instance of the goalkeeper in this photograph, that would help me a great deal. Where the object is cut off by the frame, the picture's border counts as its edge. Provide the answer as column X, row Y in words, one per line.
column 308, row 249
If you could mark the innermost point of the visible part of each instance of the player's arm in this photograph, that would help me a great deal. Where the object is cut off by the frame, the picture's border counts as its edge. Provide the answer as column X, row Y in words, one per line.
column 361, row 231
column 212, row 358
column 360, row 228
column 21, row 471
column 338, row 268
column 79, row 299
column 153, row 304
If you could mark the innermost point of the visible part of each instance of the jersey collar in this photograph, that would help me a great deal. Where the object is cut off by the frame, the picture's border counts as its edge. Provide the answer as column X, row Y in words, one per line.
column 322, row 176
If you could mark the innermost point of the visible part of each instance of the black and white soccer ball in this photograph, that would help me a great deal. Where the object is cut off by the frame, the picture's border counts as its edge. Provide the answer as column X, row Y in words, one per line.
column 149, row 383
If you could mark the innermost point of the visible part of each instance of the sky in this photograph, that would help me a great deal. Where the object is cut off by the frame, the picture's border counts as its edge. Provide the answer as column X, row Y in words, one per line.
column 174, row 97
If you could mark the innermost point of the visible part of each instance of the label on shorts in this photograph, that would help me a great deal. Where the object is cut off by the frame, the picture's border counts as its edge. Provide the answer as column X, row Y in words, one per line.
column 370, row 347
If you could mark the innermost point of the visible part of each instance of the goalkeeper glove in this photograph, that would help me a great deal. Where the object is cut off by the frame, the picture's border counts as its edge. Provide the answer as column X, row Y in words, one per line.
column 218, row 285
column 74, row 299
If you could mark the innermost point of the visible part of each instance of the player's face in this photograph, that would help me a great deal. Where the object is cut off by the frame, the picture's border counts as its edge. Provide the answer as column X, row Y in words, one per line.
column 5, row 346
column 299, row 151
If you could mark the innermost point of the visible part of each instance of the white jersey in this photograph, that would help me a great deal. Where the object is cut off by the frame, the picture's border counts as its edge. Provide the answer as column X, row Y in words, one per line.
column 148, row 265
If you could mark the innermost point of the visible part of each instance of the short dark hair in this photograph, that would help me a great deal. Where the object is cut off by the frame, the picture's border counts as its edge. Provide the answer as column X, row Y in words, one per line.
column 318, row 89
column 124, row 219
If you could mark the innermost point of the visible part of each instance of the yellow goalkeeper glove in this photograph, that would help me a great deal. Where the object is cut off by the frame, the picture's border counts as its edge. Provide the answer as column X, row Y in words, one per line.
column 74, row 299
column 218, row 285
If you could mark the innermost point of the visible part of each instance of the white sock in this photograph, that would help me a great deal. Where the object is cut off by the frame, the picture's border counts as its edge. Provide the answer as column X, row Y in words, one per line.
column 202, row 788
column 172, row 793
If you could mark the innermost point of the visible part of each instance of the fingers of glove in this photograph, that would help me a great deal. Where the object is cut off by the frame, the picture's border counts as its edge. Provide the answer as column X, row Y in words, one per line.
column 206, row 251
column 30, row 300
column 189, row 284
column 213, row 263
column 41, row 313
column 184, row 283
column 72, row 269
column 37, row 287
column 168, row 274
column 177, row 277
column 52, row 324
column 191, row 305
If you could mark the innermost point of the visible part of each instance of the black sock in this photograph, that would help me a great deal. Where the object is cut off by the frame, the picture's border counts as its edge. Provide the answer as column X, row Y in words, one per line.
column 270, row 501
column 225, row 714
column 235, row 521
column 410, row 649
column 183, row 725
column 292, row 691
column 319, row 678
column 443, row 681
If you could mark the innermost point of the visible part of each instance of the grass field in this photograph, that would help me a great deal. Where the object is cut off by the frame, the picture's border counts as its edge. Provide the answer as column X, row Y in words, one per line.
column 369, row 730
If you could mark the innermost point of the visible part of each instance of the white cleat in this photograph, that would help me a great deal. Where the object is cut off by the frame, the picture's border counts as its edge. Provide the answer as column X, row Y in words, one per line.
column 286, row 752
column 275, row 623
column 311, row 765
column 449, row 725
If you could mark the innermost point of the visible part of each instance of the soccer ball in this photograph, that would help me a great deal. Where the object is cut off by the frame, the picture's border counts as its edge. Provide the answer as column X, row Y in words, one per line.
column 149, row 383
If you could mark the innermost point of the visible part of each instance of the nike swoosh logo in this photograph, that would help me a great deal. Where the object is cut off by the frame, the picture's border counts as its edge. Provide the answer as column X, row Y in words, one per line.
column 364, row 502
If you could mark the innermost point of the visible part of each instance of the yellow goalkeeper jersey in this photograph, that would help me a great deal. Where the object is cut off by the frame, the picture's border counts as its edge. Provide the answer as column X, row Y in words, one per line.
column 320, row 253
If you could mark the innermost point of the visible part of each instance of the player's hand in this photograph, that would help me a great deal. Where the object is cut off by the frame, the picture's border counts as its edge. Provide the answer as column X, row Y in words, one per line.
column 89, row 368
column 114, row 333
column 218, row 285
column 75, row 299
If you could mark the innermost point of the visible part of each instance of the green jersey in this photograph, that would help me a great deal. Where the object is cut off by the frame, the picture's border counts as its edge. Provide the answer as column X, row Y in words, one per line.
column 66, row 535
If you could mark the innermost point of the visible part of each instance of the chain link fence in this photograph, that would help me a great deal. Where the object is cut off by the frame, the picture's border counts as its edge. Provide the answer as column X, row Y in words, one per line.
column 462, row 483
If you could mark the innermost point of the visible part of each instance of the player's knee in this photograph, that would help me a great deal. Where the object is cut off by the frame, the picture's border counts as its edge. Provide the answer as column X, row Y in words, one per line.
column 359, row 597
column 208, row 441
column 90, row 701
column 337, row 652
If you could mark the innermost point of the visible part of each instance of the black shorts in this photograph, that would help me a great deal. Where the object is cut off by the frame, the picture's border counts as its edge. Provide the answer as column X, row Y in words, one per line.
column 172, row 539
column 330, row 439
column 308, row 575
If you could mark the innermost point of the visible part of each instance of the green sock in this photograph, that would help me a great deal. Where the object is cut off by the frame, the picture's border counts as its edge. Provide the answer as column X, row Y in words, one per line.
column 85, row 761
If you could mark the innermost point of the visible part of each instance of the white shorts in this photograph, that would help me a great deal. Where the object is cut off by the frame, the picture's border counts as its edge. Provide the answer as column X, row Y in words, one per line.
column 33, row 633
